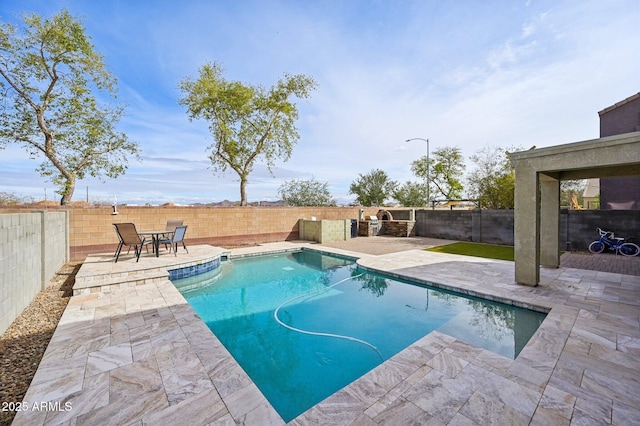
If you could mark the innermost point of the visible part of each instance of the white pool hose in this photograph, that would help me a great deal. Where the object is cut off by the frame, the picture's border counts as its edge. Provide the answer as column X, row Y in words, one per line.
column 315, row 333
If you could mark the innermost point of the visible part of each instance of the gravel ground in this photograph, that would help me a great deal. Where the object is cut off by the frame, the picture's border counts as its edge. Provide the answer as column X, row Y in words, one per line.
column 23, row 344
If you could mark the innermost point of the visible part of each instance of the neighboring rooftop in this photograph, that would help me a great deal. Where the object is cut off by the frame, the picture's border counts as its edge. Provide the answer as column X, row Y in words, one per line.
column 619, row 104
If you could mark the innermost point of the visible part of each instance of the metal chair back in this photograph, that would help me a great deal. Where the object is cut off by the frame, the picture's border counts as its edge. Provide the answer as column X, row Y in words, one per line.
column 128, row 236
column 178, row 234
column 178, row 237
column 172, row 224
column 128, row 233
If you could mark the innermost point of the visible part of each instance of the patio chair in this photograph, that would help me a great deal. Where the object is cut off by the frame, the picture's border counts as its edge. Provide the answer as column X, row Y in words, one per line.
column 172, row 224
column 128, row 236
column 177, row 237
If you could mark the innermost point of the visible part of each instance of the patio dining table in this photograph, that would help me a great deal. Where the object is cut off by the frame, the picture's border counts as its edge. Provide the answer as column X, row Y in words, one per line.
column 155, row 235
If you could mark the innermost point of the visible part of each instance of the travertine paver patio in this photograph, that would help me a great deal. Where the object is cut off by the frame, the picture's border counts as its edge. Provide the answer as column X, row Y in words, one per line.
column 132, row 351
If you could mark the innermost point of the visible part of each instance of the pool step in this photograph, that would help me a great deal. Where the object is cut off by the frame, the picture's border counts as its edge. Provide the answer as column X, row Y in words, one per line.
column 109, row 281
column 100, row 273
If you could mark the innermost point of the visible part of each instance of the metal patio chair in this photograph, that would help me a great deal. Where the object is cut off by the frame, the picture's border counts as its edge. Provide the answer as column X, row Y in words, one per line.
column 128, row 236
column 172, row 224
column 177, row 237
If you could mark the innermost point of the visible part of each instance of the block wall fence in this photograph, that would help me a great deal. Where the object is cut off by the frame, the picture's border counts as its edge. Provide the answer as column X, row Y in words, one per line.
column 92, row 231
column 578, row 228
column 91, row 228
column 33, row 247
column 35, row 244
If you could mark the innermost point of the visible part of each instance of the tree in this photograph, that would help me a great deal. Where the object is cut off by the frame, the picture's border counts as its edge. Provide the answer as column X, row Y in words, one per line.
column 444, row 172
column 50, row 72
column 492, row 182
column 9, row 199
column 373, row 188
column 247, row 122
column 302, row 192
column 411, row 194
column 571, row 193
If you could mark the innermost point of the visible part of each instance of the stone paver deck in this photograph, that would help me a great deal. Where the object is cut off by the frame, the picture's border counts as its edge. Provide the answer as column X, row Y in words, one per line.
column 603, row 262
column 132, row 351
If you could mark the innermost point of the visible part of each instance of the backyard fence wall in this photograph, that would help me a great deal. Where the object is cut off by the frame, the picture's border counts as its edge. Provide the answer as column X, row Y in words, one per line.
column 91, row 228
column 481, row 226
column 33, row 246
column 578, row 228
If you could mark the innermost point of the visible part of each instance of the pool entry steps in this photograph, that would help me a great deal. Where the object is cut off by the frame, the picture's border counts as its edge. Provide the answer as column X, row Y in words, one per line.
column 100, row 273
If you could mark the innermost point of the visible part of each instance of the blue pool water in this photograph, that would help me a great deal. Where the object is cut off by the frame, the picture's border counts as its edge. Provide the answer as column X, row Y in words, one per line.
column 304, row 325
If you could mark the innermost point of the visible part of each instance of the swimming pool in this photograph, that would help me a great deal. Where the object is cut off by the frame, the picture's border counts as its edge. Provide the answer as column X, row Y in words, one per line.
column 304, row 324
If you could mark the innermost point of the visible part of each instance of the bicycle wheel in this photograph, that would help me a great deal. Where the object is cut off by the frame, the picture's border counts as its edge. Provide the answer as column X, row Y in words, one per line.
column 596, row 247
column 629, row 249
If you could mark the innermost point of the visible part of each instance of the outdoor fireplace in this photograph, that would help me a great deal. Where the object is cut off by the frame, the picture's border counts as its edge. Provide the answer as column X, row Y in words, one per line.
column 396, row 227
column 383, row 223
column 384, row 215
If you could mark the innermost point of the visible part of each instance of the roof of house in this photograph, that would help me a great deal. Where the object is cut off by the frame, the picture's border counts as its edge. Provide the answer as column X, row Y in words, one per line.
column 619, row 104
column 592, row 189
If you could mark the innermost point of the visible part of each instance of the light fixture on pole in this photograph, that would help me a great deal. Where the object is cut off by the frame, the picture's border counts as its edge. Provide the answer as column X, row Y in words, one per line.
column 428, row 190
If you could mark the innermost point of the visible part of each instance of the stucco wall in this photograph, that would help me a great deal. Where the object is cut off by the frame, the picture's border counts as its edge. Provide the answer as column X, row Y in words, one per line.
column 623, row 117
column 616, row 192
column 33, row 246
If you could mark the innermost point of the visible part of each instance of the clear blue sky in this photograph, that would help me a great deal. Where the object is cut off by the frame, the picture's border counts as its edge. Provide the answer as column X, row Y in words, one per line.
column 464, row 73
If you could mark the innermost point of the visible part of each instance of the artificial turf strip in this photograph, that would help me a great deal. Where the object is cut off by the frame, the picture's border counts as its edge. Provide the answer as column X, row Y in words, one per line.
column 490, row 251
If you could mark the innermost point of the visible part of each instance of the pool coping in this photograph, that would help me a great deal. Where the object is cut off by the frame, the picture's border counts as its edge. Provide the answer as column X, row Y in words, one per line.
column 110, row 341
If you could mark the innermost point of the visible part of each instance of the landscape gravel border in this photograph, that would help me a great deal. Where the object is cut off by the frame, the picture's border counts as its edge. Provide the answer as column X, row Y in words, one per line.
column 24, row 342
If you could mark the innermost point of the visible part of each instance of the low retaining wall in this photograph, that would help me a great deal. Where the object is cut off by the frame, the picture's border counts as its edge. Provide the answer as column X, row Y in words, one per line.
column 33, row 246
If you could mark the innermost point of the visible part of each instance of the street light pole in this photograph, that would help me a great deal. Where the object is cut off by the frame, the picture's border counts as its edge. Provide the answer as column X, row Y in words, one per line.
column 428, row 190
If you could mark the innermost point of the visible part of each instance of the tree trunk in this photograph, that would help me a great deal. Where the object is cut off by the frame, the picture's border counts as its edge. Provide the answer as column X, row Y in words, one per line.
column 67, row 192
column 243, row 192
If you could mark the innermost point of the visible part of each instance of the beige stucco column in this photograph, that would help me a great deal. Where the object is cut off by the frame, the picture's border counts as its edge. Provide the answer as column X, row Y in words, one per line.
column 526, row 225
column 549, row 221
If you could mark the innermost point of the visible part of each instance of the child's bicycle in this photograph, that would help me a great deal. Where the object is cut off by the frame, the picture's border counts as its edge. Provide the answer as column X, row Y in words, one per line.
column 609, row 241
